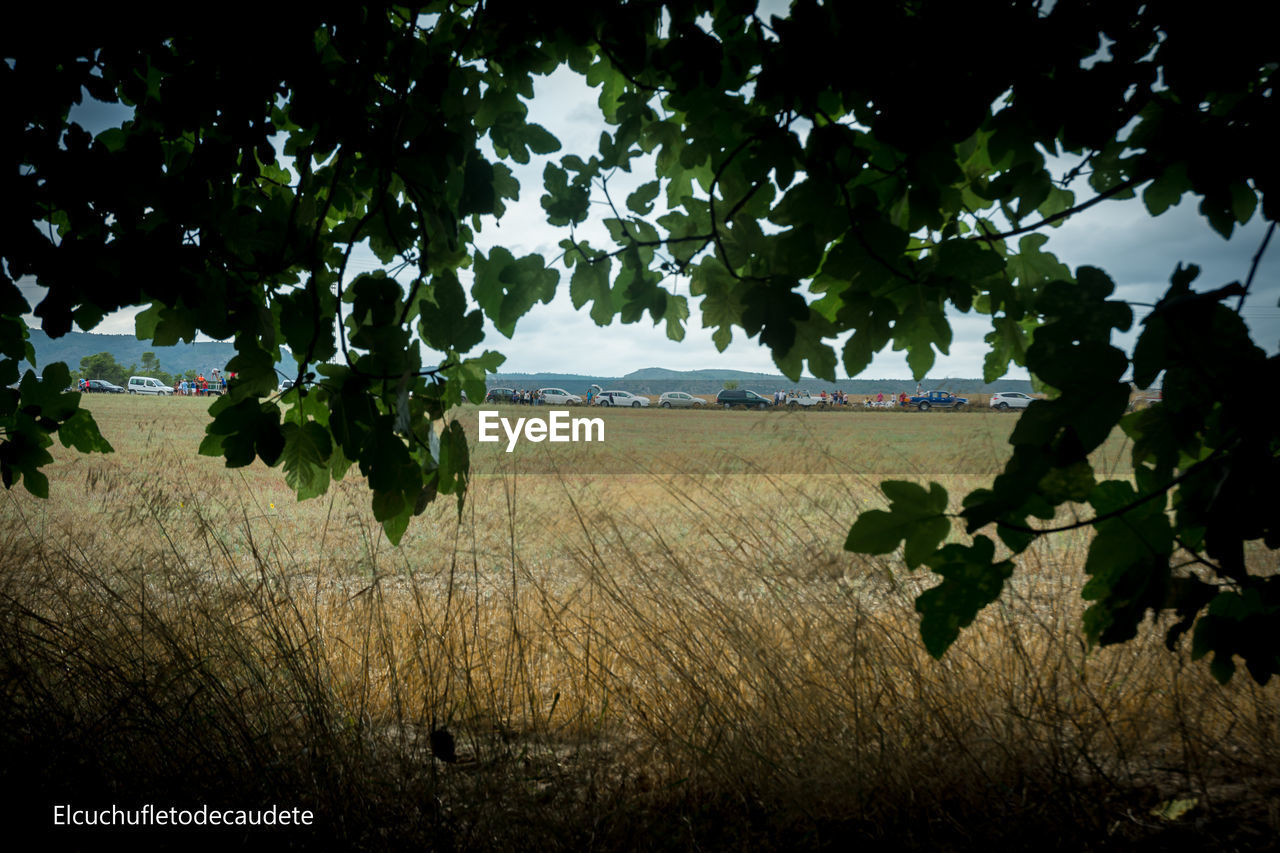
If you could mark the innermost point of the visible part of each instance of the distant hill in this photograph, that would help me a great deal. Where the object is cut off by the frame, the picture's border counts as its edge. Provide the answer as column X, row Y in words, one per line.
column 659, row 373
column 201, row 356
column 655, row 380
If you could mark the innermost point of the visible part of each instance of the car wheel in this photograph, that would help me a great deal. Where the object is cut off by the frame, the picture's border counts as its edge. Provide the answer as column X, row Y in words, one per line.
column 728, row 405
column 793, row 405
column 131, row 391
column 666, row 405
column 635, row 405
column 1002, row 406
column 924, row 407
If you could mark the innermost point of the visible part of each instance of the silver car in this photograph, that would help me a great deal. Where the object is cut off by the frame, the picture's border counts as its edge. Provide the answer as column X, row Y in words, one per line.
column 679, row 400
column 559, row 397
column 621, row 398
column 1010, row 400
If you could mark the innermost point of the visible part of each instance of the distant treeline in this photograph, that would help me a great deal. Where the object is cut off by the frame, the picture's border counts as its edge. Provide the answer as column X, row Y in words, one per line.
column 201, row 357
column 128, row 352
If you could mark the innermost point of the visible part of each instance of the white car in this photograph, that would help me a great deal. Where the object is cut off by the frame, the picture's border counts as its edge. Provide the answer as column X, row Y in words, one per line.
column 1010, row 400
column 795, row 401
column 147, row 385
column 559, row 397
column 621, row 398
column 679, row 400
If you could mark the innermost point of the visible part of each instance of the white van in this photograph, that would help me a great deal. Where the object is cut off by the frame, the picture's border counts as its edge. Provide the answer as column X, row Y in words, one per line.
column 147, row 385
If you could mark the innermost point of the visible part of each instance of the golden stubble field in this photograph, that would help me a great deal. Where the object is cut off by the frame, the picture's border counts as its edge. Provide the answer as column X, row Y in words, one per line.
column 660, row 634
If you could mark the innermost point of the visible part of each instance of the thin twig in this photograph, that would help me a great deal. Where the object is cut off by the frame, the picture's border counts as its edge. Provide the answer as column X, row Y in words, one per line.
column 1063, row 214
column 1253, row 268
column 1088, row 522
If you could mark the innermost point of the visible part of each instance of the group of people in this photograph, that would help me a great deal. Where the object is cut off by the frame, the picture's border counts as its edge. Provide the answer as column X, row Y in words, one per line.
column 835, row 398
column 201, row 386
column 841, row 398
column 527, row 397
column 880, row 401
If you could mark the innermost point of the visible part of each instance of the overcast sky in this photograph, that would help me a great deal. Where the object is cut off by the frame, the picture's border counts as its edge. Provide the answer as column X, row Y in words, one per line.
column 1138, row 251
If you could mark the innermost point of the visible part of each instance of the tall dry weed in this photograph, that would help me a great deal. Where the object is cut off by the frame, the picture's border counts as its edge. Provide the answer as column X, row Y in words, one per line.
column 645, row 660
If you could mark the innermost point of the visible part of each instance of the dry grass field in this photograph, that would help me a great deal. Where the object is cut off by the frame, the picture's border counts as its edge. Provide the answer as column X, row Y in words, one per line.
column 656, row 642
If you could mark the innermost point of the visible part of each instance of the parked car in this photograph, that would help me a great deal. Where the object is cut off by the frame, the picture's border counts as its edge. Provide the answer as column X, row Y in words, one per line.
column 1010, row 400
column 742, row 397
column 147, row 385
column 807, row 400
column 621, row 398
column 500, row 395
column 102, row 386
column 936, row 400
column 679, row 400
column 559, row 397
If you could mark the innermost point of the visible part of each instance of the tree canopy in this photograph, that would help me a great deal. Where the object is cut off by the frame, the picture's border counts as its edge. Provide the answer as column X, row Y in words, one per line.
column 835, row 171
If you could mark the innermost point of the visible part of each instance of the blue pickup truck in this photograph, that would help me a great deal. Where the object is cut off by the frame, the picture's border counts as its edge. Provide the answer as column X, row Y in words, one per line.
column 935, row 400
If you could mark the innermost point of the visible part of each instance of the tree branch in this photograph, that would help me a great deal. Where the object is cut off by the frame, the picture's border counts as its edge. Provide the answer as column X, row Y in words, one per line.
column 1253, row 268
column 1089, row 522
column 1064, row 214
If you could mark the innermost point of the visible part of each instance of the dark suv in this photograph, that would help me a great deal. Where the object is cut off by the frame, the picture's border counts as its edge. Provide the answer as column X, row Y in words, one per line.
column 742, row 397
column 500, row 395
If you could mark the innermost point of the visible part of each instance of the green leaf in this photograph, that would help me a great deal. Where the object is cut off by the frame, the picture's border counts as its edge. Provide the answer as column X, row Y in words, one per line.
column 810, row 347
column 539, row 139
column 915, row 516
column 81, row 432
column 478, row 193
column 971, row 579
column 393, row 511
column 1128, row 563
column 471, row 372
column 455, row 462
column 306, row 458
column 564, row 203
column 590, row 283
column 1167, row 190
column 445, row 323
column 641, row 201
column 507, row 288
